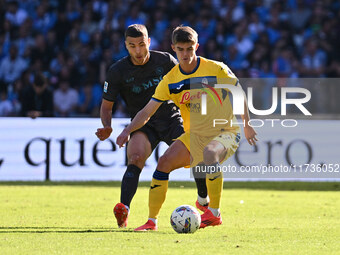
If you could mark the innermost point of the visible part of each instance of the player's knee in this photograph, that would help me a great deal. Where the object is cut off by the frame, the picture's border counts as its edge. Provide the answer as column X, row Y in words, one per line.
column 164, row 164
column 137, row 159
column 210, row 155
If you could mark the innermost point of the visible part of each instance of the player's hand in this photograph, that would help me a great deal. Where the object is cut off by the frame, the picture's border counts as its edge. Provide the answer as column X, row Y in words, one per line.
column 250, row 135
column 123, row 138
column 103, row 133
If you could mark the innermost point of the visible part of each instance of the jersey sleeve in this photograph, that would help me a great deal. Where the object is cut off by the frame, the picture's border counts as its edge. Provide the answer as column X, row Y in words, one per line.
column 162, row 92
column 226, row 74
column 111, row 86
column 169, row 63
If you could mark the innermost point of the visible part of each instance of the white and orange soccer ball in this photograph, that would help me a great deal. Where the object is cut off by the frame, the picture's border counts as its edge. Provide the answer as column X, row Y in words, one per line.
column 185, row 219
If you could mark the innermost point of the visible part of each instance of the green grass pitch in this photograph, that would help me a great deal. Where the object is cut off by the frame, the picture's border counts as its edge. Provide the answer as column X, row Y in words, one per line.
column 76, row 218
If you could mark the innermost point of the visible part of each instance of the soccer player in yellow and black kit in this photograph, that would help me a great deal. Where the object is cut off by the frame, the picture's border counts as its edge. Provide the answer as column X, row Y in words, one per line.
column 202, row 143
column 135, row 77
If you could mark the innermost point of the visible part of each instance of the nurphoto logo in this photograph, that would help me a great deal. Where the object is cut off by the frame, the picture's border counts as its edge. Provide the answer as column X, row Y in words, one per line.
column 239, row 98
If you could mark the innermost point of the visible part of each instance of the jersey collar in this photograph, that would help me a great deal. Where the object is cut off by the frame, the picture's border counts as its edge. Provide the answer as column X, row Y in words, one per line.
column 195, row 69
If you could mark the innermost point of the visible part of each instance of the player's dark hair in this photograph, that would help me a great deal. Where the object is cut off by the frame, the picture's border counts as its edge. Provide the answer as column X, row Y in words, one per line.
column 39, row 80
column 136, row 30
column 184, row 34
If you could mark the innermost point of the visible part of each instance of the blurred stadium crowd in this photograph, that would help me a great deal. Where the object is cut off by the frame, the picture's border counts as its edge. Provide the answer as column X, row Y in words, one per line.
column 72, row 43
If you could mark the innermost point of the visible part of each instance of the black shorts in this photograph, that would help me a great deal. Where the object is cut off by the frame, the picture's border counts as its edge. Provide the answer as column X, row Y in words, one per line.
column 162, row 131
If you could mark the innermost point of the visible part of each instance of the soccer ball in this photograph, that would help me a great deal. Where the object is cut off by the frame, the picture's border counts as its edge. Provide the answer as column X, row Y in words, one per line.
column 185, row 219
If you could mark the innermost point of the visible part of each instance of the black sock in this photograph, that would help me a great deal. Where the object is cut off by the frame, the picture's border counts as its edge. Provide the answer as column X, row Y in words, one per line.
column 129, row 184
column 201, row 185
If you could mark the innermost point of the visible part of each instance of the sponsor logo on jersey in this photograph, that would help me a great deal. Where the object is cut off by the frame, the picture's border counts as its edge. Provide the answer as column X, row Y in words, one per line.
column 152, row 82
column 188, row 97
column 136, row 89
column 193, row 107
column 159, row 70
column 131, row 79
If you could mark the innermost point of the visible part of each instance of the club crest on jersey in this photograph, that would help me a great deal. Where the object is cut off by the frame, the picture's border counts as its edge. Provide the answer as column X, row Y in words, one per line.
column 106, row 84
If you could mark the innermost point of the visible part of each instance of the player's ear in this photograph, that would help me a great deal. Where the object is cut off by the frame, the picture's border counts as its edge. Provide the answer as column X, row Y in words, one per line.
column 149, row 41
column 197, row 44
column 126, row 44
column 173, row 47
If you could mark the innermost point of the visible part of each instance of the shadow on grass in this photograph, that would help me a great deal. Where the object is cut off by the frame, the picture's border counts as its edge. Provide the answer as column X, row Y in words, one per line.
column 30, row 230
column 284, row 185
column 66, row 230
column 1, row 228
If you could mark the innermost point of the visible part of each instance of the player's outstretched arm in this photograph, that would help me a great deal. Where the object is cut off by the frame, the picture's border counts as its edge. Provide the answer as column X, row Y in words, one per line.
column 106, row 117
column 249, row 132
column 138, row 121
